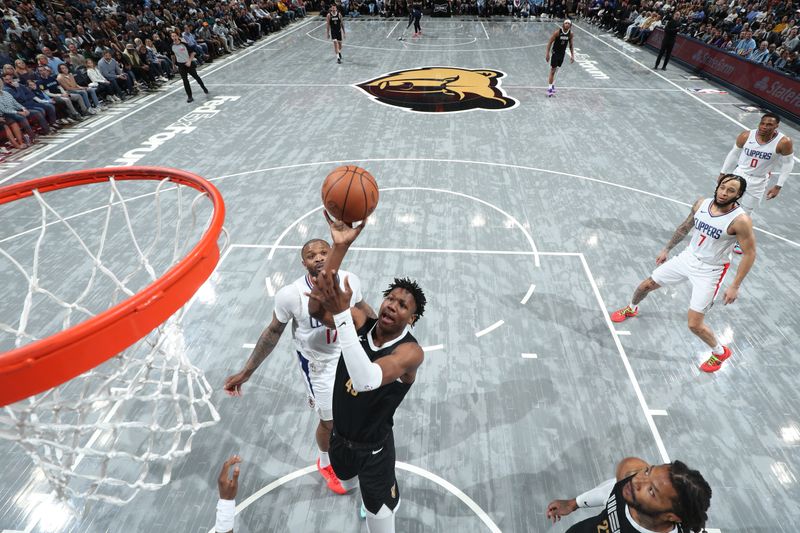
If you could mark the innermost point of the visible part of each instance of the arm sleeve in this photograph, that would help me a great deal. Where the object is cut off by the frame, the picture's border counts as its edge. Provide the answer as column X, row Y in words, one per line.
column 786, row 168
column 226, row 510
column 597, row 496
column 287, row 304
column 365, row 374
column 731, row 160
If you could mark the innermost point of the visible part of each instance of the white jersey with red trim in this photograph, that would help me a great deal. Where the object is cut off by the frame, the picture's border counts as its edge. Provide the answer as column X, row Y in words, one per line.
column 757, row 161
column 311, row 337
column 711, row 242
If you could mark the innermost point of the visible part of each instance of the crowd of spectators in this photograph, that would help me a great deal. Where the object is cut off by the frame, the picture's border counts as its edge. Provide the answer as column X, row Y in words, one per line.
column 66, row 60
column 764, row 32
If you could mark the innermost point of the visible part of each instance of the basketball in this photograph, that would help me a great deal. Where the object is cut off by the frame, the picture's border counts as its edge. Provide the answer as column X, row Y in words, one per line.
column 350, row 194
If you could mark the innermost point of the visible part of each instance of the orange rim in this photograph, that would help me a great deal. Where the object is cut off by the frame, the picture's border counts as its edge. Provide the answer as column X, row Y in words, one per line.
column 46, row 363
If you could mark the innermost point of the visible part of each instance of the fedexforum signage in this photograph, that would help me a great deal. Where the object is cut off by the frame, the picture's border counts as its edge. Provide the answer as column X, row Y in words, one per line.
column 185, row 124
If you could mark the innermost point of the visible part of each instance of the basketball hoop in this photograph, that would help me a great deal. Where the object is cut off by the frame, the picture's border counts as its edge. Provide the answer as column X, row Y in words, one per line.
column 97, row 386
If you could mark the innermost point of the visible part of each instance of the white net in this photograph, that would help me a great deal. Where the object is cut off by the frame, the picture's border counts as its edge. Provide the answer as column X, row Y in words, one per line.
column 118, row 428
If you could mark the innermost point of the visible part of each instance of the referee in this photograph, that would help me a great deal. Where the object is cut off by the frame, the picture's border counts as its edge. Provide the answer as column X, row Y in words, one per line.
column 185, row 60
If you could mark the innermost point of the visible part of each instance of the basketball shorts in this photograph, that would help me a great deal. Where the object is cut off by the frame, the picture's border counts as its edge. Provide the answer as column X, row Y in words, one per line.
column 750, row 202
column 556, row 60
column 374, row 466
column 336, row 35
column 705, row 279
column 318, row 378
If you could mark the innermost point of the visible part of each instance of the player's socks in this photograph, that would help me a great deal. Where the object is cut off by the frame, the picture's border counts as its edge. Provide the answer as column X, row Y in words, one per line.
column 717, row 350
column 324, row 459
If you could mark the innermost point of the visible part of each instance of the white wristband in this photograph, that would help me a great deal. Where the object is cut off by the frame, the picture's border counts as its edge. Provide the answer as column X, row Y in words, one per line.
column 226, row 510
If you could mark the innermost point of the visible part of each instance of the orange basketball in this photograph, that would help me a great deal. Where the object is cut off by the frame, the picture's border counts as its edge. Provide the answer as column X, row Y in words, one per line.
column 350, row 194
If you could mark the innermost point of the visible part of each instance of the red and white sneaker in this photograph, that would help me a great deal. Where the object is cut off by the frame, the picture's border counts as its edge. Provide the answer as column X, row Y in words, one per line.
column 714, row 362
column 625, row 313
column 330, row 478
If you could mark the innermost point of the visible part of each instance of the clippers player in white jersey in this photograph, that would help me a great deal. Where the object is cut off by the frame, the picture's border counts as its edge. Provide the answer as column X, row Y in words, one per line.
column 756, row 156
column 378, row 367
column 559, row 41
column 642, row 498
column 716, row 224
column 316, row 348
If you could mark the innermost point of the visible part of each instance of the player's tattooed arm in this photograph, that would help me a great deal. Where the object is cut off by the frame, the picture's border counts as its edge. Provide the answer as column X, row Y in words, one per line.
column 684, row 229
column 266, row 343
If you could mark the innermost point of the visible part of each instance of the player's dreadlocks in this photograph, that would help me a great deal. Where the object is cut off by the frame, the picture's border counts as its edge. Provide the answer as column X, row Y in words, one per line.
column 693, row 499
column 413, row 288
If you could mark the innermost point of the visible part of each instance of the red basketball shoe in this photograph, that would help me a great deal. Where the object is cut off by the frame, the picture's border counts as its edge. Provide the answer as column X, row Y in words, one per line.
column 330, row 477
column 625, row 313
column 715, row 361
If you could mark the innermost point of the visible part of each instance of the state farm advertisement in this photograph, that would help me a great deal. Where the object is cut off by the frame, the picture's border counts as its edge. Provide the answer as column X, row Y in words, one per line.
column 769, row 85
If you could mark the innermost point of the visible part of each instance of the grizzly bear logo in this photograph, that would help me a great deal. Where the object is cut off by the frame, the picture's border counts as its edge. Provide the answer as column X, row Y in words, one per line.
column 440, row 90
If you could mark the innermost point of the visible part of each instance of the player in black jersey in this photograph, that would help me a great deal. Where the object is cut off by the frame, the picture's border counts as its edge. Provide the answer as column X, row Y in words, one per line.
column 379, row 363
column 668, row 498
column 558, row 41
column 334, row 24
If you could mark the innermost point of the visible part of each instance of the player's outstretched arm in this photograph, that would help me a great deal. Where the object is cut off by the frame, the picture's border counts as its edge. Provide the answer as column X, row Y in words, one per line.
column 680, row 233
column 571, row 50
column 266, row 343
column 597, row 496
column 403, row 361
column 743, row 228
column 343, row 235
column 550, row 45
column 732, row 159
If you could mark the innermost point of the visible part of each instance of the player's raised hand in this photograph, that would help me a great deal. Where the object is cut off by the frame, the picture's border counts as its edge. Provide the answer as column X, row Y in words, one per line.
column 343, row 233
column 558, row 508
column 233, row 384
column 229, row 486
column 327, row 292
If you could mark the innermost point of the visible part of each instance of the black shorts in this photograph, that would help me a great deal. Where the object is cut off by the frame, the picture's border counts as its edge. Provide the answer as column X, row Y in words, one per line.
column 374, row 468
column 556, row 60
column 336, row 35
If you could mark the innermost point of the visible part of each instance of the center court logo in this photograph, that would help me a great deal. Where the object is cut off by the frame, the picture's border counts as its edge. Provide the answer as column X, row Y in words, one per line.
column 440, row 90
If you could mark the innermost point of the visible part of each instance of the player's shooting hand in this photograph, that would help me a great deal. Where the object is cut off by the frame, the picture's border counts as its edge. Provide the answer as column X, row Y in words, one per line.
column 558, row 508
column 233, row 384
column 730, row 295
column 773, row 192
column 342, row 232
column 229, row 486
column 662, row 257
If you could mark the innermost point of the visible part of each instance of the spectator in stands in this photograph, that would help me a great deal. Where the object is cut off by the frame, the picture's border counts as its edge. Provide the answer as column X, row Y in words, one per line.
column 22, row 71
column 13, row 112
column 647, row 28
column 140, row 70
column 24, row 98
column 48, row 83
column 52, row 61
column 760, row 54
column 105, row 88
column 112, row 70
column 224, row 34
column 632, row 31
column 792, row 40
column 87, row 94
column 746, row 44
column 200, row 49
column 76, row 59
column 13, row 134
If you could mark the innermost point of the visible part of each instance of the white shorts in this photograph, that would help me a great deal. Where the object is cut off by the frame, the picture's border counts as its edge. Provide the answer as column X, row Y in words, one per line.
column 706, row 279
column 750, row 202
column 318, row 378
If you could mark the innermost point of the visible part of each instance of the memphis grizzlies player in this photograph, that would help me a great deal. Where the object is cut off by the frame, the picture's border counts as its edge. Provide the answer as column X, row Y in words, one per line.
column 559, row 41
column 716, row 224
column 316, row 347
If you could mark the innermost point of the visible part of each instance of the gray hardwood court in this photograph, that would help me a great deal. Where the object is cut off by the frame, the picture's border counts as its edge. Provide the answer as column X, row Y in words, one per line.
column 525, row 226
